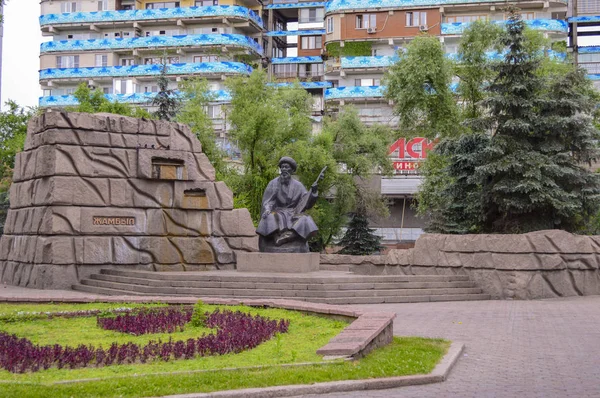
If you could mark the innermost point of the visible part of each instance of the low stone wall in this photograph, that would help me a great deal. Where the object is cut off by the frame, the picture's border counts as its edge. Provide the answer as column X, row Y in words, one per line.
column 543, row 264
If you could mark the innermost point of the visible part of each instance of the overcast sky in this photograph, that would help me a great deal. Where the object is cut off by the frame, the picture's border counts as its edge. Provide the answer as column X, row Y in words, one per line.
column 21, row 51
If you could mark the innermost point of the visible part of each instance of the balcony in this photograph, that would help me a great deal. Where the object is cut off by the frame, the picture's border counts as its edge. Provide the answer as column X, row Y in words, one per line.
column 546, row 25
column 358, row 92
column 135, row 98
column 306, row 85
column 589, row 50
column 296, row 60
column 380, row 61
column 348, row 5
column 299, row 75
column 593, row 68
column 499, row 56
column 590, row 19
column 280, row 33
column 152, row 42
column 143, row 15
column 282, row 4
column 202, row 68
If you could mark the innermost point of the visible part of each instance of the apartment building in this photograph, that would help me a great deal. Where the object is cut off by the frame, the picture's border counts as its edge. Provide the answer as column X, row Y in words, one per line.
column 584, row 21
column 339, row 50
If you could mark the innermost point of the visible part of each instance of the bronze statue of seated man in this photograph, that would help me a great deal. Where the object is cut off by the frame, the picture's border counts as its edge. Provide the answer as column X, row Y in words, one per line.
column 283, row 228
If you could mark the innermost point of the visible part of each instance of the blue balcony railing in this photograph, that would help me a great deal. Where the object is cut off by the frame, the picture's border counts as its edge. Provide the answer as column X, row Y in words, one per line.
column 141, row 15
column 346, row 5
column 136, row 98
column 296, row 4
column 354, row 92
column 547, row 25
column 313, row 32
column 306, row 85
column 499, row 56
column 589, row 50
column 379, row 61
column 296, row 60
column 213, row 39
column 588, row 18
column 147, row 70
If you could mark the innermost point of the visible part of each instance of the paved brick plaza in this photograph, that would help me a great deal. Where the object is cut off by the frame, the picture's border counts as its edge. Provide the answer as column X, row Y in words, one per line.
column 522, row 349
column 543, row 348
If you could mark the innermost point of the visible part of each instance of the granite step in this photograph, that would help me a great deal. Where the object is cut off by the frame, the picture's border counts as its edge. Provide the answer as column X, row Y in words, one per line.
column 311, row 278
column 220, row 292
column 340, row 301
column 243, row 284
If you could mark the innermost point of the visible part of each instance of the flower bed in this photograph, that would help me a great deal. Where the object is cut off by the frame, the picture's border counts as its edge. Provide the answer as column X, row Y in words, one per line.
column 146, row 321
column 236, row 332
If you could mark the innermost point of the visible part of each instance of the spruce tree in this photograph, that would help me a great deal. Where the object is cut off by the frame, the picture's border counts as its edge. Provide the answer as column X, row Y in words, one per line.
column 533, row 176
column 359, row 239
column 166, row 99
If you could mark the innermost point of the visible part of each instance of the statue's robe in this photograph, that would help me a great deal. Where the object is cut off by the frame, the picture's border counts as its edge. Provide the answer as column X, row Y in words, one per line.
column 280, row 201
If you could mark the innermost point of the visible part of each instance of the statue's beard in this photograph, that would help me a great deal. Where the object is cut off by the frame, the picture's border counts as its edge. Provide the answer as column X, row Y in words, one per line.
column 285, row 176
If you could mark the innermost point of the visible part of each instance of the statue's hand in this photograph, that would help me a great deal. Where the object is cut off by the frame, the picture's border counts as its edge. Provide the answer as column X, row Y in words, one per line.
column 266, row 213
column 314, row 188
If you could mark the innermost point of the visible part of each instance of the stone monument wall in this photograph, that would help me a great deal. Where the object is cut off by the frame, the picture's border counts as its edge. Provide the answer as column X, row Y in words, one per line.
column 97, row 191
column 543, row 264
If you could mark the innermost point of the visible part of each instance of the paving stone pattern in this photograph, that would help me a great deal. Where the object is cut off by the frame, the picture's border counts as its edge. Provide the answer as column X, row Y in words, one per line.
column 542, row 348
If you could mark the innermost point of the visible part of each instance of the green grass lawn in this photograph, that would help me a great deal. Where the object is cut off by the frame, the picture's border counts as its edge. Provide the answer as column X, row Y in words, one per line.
column 306, row 334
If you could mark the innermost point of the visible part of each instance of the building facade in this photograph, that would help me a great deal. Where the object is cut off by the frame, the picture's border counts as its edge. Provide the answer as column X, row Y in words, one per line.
column 339, row 50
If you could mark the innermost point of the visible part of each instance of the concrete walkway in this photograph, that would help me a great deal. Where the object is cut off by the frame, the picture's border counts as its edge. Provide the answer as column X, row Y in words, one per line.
column 521, row 349
column 543, row 348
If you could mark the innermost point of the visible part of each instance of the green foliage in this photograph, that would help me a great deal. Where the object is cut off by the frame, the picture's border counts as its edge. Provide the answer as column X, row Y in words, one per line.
column 360, row 151
column 13, row 130
column 199, row 315
column 473, row 67
column 350, row 49
column 359, row 239
column 196, row 98
column 267, row 122
column 95, row 102
column 525, row 170
column 419, row 85
column 166, row 99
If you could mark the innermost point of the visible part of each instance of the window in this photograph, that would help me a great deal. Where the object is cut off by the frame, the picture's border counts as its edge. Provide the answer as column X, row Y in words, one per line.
column 47, row 92
column 527, row 15
column 312, row 42
column 69, row 6
column 308, row 15
column 102, row 5
column 310, row 70
column 329, row 24
column 70, row 91
column 204, row 3
column 285, row 70
column 416, row 18
column 165, row 4
column 127, row 61
column 366, row 21
column 158, row 60
column 106, row 90
column 101, row 59
column 67, row 61
column 205, row 58
column 367, row 82
column 466, row 18
column 214, row 111
column 151, row 89
column 123, row 86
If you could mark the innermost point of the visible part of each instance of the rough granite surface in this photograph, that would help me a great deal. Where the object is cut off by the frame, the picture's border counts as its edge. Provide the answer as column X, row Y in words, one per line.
column 102, row 191
column 536, row 265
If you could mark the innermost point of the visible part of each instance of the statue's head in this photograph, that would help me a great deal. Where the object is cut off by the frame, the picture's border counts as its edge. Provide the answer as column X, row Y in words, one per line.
column 287, row 166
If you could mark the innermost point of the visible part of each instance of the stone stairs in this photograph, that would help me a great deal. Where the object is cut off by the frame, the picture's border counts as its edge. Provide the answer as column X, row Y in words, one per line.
column 331, row 287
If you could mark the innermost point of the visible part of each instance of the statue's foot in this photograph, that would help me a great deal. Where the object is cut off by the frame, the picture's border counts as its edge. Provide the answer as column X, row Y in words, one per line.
column 285, row 237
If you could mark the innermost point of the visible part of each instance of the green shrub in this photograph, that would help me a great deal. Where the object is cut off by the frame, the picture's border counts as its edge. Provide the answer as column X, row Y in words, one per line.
column 199, row 315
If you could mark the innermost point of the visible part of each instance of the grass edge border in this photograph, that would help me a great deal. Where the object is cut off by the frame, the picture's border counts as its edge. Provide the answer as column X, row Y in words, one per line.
column 439, row 374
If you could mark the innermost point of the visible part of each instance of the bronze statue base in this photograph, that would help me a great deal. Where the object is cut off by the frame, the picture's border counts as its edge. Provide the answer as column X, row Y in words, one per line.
column 282, row 243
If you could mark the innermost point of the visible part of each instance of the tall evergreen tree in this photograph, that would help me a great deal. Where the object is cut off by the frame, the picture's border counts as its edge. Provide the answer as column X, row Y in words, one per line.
column 166, row 99
column 533, row 177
